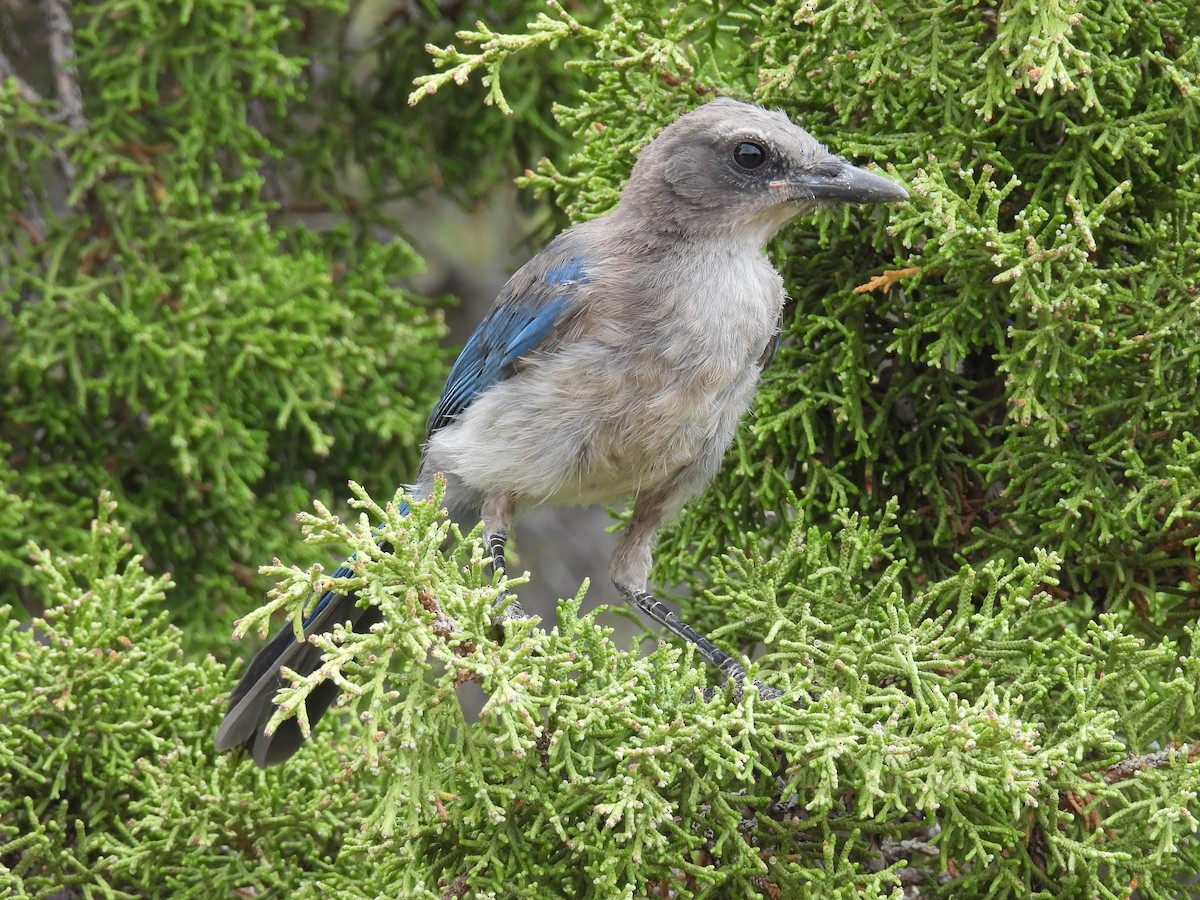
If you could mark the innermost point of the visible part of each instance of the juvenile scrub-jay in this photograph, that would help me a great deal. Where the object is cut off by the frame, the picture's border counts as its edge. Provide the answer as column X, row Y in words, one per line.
column 614, row 365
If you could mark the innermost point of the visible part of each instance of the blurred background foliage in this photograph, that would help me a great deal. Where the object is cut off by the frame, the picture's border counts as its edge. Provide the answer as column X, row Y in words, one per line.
column 207, row 297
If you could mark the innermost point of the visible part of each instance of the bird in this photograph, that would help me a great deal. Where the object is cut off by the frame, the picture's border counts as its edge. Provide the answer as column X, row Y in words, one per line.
column 613, row 366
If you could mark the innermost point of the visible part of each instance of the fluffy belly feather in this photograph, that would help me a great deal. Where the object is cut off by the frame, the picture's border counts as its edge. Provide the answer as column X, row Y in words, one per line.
column 597, row 430
column 632, row 398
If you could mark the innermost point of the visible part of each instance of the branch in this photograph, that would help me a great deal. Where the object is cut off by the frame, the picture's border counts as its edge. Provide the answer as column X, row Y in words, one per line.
column 66, row 84
column 1127, row 768
column 7, row 70
column 62, row 58
column 458, row 888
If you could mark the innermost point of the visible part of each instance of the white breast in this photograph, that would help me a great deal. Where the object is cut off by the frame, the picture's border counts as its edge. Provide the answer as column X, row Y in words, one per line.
column 643, row 393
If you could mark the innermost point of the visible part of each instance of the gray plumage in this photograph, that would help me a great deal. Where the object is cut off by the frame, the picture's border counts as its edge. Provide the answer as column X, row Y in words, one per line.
column 616, row 364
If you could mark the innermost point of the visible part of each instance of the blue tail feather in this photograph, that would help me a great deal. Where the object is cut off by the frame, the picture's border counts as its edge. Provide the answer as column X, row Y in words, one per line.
column 251, row 705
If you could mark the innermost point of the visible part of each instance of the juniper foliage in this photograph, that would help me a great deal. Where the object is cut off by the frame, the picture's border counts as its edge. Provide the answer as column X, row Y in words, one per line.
column 111, row 786
column 959, row 531
column 177, row 328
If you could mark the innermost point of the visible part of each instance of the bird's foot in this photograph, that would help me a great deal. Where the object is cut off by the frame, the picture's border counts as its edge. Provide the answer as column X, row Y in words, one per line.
column 511, row 612
column 765, row 691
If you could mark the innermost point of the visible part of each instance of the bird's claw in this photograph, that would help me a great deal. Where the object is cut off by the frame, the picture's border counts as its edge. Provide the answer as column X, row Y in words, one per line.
column 765, row 692
column 511, row 612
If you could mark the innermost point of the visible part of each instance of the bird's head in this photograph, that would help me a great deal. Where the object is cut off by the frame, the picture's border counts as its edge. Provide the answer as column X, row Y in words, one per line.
column 733, row 168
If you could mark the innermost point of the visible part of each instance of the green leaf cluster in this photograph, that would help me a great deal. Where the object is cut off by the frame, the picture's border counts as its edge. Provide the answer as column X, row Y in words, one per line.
column 962, row 740
column 111, row 787
column 173, row 335
column 1002, row 368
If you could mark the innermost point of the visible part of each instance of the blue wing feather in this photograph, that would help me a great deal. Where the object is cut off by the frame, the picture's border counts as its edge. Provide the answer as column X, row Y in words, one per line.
column 521, row 321
column 535, row 306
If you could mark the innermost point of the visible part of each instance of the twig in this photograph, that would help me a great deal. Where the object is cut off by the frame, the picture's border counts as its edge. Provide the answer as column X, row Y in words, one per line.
column 458, row 888
column 1127, row 768
column 894, row 850
column 444, row 627
column 33, row 225
column 272, row 190
column 886, row 280
column 910, row 877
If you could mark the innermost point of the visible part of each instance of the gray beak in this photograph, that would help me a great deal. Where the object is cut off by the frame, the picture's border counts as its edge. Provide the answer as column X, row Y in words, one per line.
column 848, row 185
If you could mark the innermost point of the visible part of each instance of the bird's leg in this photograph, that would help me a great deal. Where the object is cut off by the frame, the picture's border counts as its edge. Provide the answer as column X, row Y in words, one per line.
column 630, row 571
column 656, row 610
column 497, row 521
column 495, row 543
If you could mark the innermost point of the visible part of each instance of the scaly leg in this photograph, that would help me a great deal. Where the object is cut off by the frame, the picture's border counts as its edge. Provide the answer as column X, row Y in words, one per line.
column 630, row 571
column 498, row 513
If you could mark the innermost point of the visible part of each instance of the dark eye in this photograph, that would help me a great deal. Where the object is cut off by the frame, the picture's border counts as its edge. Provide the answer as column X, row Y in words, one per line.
column 749, row 155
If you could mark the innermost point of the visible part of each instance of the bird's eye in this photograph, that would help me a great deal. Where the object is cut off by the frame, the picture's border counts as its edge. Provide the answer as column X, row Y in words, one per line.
column 749, row 155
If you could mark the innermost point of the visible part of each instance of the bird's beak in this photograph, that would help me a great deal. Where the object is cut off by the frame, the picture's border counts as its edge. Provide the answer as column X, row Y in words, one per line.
column 849, row 184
